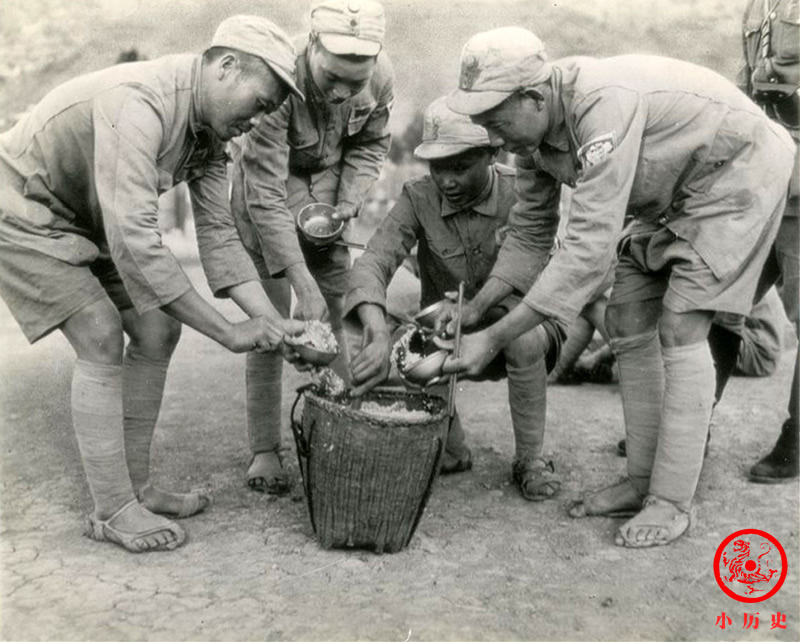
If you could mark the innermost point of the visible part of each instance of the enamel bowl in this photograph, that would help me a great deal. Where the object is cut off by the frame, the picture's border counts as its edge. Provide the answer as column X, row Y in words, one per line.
column 427, row 316
column 316, row 224
column 427, row 370
column 312, row 355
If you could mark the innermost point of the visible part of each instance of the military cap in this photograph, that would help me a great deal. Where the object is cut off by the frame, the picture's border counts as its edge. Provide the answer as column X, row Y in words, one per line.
column 495, row 64
column 446, row 133
column 263, row 38
column 349, row 27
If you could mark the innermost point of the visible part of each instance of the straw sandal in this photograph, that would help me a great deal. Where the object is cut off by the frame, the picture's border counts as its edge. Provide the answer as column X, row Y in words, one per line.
column 104, row 530
column 660, row 521
column 618, row 500
column 536, row 478
column 191, row 503
column 268, row 477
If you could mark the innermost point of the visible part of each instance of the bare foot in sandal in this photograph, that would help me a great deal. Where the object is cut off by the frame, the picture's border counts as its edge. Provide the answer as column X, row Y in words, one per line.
column 536, row 478
column 175, row 505
column 660, row 522
column 618, row 500
column 137, row 530
column 266, row 474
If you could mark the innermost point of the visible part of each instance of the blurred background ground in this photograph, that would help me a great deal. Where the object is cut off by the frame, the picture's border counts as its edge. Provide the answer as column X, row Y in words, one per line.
column 484, row 564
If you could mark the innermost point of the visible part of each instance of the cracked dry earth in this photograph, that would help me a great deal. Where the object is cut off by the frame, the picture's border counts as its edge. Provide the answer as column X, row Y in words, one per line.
column 484, row 564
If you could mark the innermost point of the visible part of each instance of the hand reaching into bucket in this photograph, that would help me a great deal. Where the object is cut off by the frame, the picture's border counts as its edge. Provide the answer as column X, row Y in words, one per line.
column 371, row 365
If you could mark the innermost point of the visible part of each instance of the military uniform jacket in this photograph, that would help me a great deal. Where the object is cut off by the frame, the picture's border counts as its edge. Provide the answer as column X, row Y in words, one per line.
column 453, row 245
column 661, row 140
column 302, row 139
column 771, row 39
column 771, row 71
column 81, row 174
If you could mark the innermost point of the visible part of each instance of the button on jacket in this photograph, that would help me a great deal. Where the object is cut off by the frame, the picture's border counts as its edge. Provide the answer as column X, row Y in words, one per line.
column 81, row 176
column 453, row 245
column 304, row 139
column 661, row 140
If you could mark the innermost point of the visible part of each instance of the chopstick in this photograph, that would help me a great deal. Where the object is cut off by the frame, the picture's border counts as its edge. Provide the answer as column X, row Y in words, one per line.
column 451, row 391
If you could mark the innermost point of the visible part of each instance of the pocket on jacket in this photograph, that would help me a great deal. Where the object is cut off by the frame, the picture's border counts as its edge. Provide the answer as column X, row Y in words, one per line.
column 786, row 38
column 303, row 139
column 728, row 143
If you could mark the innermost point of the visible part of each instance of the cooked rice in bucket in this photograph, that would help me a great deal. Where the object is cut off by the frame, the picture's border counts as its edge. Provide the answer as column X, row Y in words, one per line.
column 396, row 410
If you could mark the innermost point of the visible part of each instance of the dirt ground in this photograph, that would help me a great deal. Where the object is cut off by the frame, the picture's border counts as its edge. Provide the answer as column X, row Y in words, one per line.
column 483, row 565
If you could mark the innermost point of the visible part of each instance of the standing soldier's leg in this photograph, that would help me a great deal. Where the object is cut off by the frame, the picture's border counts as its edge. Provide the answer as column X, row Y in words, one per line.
column 153, row 338
column 686, row 411
column 634, row 338
column 526, row 367
column 693, row 293
column 264, row 374
column 783, row 462
column 46, row 293
column 95, row 333
column 632, row 316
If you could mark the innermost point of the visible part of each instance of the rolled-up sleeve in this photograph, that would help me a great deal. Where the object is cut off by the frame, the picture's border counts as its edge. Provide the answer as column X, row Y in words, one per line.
column 598, row 205
column 364, row 153
column 128, row 131
column 224, row 259
column 533, row 222
column 391, row 243
column 263, row 168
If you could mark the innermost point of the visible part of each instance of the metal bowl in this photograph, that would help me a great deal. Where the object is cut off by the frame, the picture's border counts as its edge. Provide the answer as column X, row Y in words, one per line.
column 427, row 316
column 312, row 355
column 427, row 370
column 316, row 224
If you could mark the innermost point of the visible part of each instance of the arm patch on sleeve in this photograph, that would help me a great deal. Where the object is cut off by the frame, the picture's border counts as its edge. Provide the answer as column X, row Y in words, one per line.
column 596, row 150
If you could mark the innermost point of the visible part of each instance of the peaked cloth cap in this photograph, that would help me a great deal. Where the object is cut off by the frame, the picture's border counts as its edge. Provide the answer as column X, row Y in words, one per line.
column 446, row 133
column 260, row 37
column 349, row 27
column 495, row 64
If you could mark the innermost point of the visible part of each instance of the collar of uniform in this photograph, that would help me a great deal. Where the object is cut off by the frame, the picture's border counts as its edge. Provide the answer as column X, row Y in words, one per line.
column 557, row 135
column 196, row 111
column 485, row 203
column 306, row 80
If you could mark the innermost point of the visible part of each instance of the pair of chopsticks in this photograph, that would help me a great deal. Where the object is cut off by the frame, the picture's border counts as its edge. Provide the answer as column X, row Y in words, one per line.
column 451, row 391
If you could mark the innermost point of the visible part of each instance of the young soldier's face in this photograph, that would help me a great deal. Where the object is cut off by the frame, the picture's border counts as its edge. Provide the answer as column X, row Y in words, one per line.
column 518, row 124
column 241, row 97
column 461, row 178
column 338, row 77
